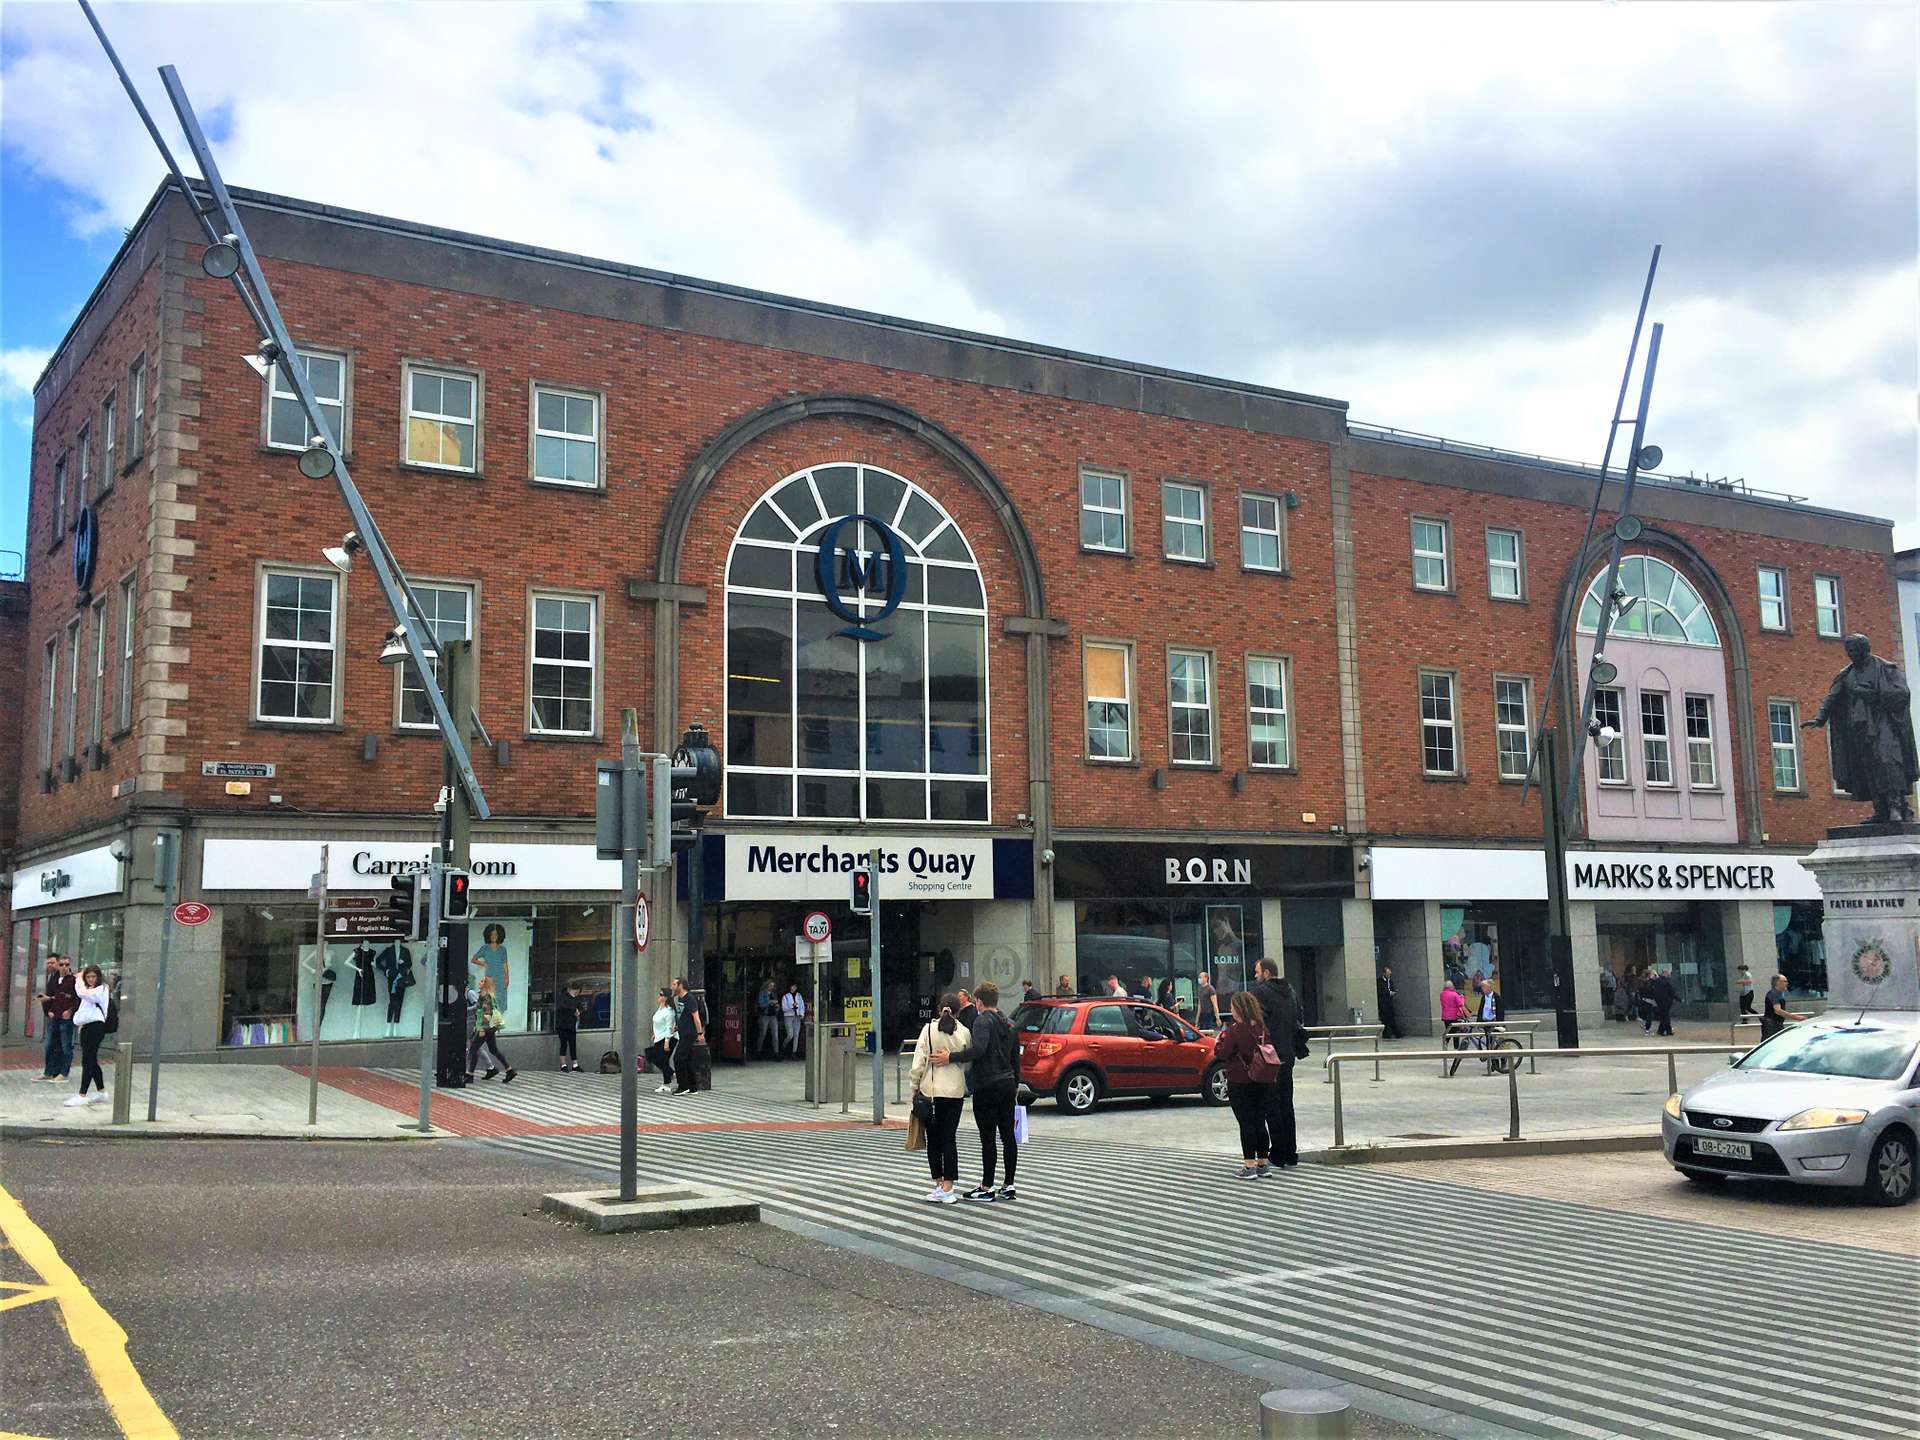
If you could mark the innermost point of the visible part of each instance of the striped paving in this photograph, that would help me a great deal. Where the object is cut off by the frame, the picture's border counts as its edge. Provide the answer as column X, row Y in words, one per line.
column 1597, row 1323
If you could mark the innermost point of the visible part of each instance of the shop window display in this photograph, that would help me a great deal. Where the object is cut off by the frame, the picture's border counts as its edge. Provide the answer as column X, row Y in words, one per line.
column 1504, row 943
column 1157, row 946
column 1801, row 953
column 87, row 937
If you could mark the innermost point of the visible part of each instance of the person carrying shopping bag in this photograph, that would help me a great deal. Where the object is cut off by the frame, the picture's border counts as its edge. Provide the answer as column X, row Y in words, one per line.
column 993, row 1052
column 487, row 1020
column 939, row 1095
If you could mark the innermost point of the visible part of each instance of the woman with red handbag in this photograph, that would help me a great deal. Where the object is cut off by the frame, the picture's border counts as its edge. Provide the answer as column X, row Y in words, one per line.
column 1252, row 1065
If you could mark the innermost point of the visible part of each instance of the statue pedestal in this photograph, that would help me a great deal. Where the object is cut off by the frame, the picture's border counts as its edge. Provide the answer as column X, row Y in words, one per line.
column 1870, row 886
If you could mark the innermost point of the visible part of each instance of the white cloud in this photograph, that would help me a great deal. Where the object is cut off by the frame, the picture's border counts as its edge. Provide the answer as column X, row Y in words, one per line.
column 20, row 367
column 1438, row 213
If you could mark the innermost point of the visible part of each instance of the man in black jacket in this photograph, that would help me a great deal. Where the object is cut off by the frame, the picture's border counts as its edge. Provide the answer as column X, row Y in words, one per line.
column 1282, row 1015
column 994, row 1054
column 1661, row 992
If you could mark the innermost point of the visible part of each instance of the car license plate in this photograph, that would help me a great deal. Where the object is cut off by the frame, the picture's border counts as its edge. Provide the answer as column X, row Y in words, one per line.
column 1726, row 1149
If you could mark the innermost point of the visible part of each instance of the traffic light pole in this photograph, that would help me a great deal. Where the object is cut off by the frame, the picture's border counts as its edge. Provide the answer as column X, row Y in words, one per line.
column 166, row 875
column 633, row 818
column 447, row 967
column 879, row 1077
column 313, row 990
column 429, row 1029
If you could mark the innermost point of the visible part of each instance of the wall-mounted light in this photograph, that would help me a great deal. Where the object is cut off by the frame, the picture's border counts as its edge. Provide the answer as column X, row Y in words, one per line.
column 1160, row 779
column 1239, row 782
column 369, row 746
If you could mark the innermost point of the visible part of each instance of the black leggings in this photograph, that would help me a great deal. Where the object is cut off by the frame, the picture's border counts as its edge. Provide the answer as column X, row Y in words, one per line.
column 569, row 1045
column 993, row 1113
column 91, row 1034
column 943, row 1147
column 662, row 1058
column 1249, row 1101
column 480, row 1038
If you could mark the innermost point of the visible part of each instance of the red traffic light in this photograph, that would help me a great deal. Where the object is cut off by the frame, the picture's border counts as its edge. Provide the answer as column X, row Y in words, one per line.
column 454, row 903
column 863, row 891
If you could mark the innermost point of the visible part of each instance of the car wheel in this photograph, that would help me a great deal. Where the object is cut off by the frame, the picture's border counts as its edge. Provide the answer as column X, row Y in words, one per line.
column 1890, row 1169
column 1214, row 1086
column 1078, row 1091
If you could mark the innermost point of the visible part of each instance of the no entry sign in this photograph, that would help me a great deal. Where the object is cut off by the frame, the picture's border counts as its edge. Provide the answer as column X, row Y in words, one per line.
column 191, row 912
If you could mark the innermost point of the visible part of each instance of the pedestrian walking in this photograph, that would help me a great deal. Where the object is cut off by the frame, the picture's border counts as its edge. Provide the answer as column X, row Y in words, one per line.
column 91, row 1020
column 1774, row 1014
column 58, row 1002
column 793, row 1011
column 1281, row 1011
column 1626, row 999
column 1746, row 991
column 1453, row 1010
column 690, row 1056
column 944, row 1090
column 992, row 1057
column 1251, row 1064
column 660, row 1052
column 1164, row 996
column 566, row 1025
column 1662, row 995
column 1028, row 994
column 1383, row 992
column 488, row 1017
column 1206, row 1004
column 767, row 1012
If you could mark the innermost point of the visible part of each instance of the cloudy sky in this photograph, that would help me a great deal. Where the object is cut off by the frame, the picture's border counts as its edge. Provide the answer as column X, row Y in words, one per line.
column 1441, row 214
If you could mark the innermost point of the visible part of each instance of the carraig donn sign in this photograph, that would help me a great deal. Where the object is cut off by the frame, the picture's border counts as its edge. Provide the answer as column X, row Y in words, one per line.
column 844, row 571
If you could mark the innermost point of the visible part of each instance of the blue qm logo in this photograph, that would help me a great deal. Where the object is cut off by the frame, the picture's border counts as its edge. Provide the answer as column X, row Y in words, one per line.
column 881, row 572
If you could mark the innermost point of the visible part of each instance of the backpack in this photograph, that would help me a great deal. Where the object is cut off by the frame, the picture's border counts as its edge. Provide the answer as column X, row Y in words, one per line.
column 1263, row 1068
column 113, row 1013
column 610, row 1063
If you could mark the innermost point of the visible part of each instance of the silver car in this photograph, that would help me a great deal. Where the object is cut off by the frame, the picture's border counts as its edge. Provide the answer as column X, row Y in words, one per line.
column 1833, row 1101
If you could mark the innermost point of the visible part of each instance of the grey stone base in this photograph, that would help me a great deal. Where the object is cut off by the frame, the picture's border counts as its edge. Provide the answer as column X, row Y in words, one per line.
column 1874, row 830
column 654, row 1207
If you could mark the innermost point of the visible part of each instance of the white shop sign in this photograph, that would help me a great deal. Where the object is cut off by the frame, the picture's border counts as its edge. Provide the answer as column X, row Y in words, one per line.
column 370, row 865
column 817, row 867
column 1408, row 872
column 77, row 876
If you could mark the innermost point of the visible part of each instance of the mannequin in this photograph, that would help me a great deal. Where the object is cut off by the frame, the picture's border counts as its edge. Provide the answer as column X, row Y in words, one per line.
column 365, row 990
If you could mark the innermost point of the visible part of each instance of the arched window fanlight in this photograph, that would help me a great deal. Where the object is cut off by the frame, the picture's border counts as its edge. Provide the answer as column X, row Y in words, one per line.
column 1661, row 605
column 857, row 679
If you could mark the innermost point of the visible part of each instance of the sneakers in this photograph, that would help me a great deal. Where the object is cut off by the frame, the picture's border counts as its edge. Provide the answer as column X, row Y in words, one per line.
column 76, row 1100
column 511, row 1072
column 982, row 1192
column 948, row 1197
column 491, row 1072
column 1263, row 1169
column 1006, row 1192
column 933, row 1195
column 1247, row 1172
column 663, row 1089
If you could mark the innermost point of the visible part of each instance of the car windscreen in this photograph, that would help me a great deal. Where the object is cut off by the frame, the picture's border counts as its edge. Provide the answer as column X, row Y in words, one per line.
column 1860, row 1052
column 1043, row 1020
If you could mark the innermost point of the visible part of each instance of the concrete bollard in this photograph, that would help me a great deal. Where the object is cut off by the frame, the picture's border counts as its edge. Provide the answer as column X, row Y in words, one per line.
column 122, row 1082
column 1304, row 1415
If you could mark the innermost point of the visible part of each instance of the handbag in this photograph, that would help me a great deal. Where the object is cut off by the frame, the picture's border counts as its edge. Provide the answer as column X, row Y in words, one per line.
column 922, row 1108
column 1264, row 1067
column 1302, row 1042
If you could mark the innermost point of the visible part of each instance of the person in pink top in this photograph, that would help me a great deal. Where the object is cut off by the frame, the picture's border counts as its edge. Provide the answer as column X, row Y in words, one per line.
column 1453, row 1009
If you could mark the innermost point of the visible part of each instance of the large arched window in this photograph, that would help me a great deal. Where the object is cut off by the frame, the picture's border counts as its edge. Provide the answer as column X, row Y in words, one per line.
column 1661, row 605
column 856, row 655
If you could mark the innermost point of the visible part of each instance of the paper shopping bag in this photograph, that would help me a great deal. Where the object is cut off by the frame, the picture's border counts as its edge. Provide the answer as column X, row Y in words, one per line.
column 1019, row 1124
column 916, row 1133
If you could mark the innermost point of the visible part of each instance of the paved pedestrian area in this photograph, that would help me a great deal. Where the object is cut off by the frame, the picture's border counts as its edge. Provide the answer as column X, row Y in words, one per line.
column 1595, row 1321
column 198, row 1100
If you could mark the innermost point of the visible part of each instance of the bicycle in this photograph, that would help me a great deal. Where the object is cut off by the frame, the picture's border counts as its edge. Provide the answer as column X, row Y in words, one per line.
column 1501, row 1050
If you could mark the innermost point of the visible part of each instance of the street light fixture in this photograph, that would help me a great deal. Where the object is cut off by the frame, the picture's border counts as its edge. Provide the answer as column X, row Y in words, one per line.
column 222, row 258
column 341, row 556
column 316, row 461
column 396, row 648
column 262, row 362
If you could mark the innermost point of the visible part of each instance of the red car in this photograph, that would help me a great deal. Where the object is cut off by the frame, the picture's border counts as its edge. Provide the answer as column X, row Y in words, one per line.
column 1086, row 1050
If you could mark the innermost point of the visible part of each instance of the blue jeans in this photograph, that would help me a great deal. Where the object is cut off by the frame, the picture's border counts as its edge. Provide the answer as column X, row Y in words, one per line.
column 59, row 1048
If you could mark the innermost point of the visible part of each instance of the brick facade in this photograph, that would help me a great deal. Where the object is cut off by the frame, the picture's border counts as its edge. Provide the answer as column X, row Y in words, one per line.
column 206, row 505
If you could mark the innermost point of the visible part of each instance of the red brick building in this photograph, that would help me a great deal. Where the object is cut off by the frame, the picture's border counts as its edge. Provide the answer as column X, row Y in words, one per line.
column 1130, row 671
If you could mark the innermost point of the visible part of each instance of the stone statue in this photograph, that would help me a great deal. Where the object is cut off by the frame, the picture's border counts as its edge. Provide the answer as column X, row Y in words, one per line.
column 1872, row 733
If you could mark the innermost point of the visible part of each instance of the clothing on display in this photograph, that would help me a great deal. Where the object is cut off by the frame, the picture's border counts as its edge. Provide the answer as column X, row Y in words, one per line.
column 365, row 988
column 395, row 964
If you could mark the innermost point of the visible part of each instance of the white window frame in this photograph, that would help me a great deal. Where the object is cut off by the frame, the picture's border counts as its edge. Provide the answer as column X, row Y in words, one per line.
column 1119, row 479
column 123, row 691
column 591, row 663
column 1282, row 713
column 1503, row 729
column 1169, row 522
column 1517, row 566
column 1656, row 745
column 51, row 716
column 73, row 689
column 100, row 618
column 332, row 578
column 401, row 671
column 137, row 408
column 1822, row 609
column 276, row 389
column 1125, row 700
column 597, row 438
column 1783, row 620
column 83, row 481
column 59, row 502
column 109, row 440
column 1611, row 756
column 1701, row 758
column 1790, row 747
column 412, row 368
column 1278, row 531
column 1210, row 706
column 1444, row 554
column 1450, row 726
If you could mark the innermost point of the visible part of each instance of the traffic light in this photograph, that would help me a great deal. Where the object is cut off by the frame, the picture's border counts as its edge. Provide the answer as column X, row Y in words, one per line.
column 407, row 905
column 863, row 889
column 695, row 785
column 453, row 895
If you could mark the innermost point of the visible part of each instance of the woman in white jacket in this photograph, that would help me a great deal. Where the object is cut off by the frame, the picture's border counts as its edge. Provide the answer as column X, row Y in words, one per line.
column 946, row 1087
column 91, row 1023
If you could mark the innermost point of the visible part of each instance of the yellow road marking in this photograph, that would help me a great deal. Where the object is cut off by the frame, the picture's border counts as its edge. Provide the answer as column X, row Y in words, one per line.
column 95, row 1333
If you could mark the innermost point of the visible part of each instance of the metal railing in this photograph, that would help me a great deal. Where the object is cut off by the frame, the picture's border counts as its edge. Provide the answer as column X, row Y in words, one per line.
column 1742, row 1022
column 1334, row 1034
column 1603, row 1052
column 1462, row 1027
